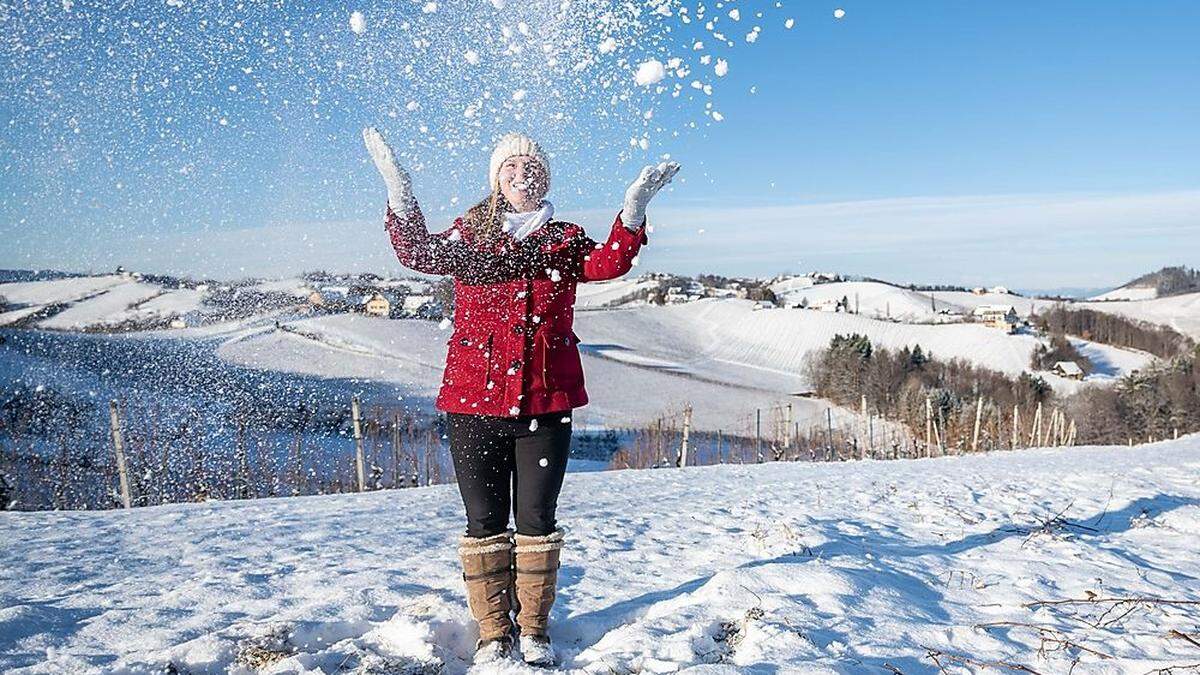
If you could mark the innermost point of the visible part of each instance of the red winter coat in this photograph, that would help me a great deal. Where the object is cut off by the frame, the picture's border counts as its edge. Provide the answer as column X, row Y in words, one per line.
column 513, row 351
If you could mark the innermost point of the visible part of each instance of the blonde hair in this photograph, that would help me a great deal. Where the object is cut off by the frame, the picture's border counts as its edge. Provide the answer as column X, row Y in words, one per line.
column 486, row 217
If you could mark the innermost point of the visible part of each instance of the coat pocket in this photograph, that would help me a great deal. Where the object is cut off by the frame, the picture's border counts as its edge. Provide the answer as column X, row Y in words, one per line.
column 560, row 366
column 469, row 359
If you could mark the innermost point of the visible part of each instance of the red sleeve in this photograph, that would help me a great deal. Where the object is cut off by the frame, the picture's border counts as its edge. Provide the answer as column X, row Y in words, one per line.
column 615, row 257
column 419, row 250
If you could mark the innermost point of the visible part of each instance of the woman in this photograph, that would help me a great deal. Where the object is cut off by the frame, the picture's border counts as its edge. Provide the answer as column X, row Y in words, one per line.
column 513, row 372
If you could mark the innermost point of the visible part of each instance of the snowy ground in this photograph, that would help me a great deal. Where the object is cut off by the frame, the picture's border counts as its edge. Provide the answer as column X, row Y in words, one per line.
column 723, row 357
column 599, row 294
column 669, row 359
column 1181, row 312
column 720, row 355
column 882, row 301
column 839, row 568
column 1128, row 293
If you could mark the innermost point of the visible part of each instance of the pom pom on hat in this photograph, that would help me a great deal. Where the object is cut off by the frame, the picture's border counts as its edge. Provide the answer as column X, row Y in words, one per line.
column 511, row 145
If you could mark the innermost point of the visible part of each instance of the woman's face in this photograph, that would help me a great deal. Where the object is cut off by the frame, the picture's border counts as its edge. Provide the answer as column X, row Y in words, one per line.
column 523, row 182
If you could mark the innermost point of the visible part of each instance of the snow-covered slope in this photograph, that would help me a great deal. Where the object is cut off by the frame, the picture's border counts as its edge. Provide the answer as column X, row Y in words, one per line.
column 874, row 299
column 107, row 308
column 606, row 293
column 857, row 567
column 1128, row 293
column 969, row 301
column 627, row 387
column 720, row 355
column 97, row 302
column 1181, row 312
column 711, row 336
column 882, row 301
column 58, row 290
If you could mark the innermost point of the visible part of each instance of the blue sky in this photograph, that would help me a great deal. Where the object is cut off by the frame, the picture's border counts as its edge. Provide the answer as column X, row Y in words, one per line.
column 1032, row 145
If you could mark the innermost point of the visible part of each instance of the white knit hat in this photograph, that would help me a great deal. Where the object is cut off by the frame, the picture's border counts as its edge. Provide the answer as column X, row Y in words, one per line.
column 511, row 145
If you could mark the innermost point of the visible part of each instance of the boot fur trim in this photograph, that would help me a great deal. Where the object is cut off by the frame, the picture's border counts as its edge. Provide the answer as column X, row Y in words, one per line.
column 532, row 544
column 475, row 545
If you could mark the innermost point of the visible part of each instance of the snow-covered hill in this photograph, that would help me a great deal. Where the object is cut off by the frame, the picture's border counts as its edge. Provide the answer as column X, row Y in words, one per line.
column 722, row 356
column 1128, row 293
column 607, row 293
column 1181, row 312
column 97, row 302
column 857, row 567
column 630, row 382
column 885, row 301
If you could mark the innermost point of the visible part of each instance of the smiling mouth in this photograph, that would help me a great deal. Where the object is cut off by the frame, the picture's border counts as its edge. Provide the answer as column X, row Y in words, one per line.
column 520, row 185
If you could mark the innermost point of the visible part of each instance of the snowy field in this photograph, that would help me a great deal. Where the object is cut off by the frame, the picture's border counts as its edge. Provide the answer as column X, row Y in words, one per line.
column 720, row 355
column 723, row 357
column 653, row 350
column 827, row 568
column 883, row 301
column 1181, row 312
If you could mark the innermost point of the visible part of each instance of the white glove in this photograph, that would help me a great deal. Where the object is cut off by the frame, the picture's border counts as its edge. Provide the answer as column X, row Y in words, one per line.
column 642, row 190
column 399, row 184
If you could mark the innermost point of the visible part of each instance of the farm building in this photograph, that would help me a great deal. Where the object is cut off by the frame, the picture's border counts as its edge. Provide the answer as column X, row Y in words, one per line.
column 1003, row 317
column 377, row 305
column 1068, row 369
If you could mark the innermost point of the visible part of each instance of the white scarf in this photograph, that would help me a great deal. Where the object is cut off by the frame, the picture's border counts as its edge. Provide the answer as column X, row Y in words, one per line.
column 521, row 225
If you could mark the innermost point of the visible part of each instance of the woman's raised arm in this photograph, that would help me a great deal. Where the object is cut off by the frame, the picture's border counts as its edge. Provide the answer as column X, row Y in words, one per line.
column 416, row 248
column 615, row 256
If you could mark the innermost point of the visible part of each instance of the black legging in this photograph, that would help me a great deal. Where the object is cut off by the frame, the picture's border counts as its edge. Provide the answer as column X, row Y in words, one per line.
column 492, row 452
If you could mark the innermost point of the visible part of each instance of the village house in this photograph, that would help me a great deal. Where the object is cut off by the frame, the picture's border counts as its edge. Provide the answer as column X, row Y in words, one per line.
column 1068, row 369
column 413, row 304
column 680, row 294
column 377, row 305
column 1003, row 317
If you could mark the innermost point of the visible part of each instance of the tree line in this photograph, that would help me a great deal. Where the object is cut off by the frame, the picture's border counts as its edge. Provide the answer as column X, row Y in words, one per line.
column 1161, row 341
column 1155, row 403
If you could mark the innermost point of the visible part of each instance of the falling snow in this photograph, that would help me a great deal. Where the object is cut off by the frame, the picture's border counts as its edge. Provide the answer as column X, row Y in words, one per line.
column 81, row 80
column 650, row 72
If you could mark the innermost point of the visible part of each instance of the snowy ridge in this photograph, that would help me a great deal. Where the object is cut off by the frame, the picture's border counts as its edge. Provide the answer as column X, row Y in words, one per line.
column 720, row 355
column 877, row 300
column 880, row 300
column 1128, row 293
column 106, row 308
column 52, row 291
column 822, row 568
column 96, row 302
column 707, row 336
column 1181, row 312
column 599, row 294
